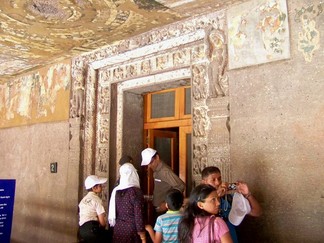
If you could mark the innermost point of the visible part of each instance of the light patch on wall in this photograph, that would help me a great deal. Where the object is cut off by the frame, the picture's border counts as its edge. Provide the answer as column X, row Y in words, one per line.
column 309, row 37
column 35, row 97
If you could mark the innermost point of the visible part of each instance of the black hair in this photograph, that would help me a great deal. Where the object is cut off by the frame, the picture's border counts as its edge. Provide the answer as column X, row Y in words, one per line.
column 186, row 224
column 125, row 159
column 174, row 199
column 208, row 171
column 154, row 156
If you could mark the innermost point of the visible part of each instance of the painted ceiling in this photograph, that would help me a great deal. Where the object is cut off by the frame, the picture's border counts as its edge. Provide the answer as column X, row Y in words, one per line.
column 36, row 33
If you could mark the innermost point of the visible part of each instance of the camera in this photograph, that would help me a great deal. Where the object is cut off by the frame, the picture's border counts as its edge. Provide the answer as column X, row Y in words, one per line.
column 231, row 186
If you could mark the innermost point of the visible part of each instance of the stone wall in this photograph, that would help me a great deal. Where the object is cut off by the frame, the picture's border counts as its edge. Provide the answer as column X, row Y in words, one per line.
column 35, row 133
column 277, row 136
column 45, row 208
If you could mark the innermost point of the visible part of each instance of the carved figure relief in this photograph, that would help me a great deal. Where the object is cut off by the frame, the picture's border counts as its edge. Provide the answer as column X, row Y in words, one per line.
column 146, row 67
column 199, row 121
column 161, row 62
column 102, row 161
column 77, row 96
column 216, row 48
column 199, row 82
column 199, row 158
column 104, row 131
column 118, row 73
column 76, row 101
column 104, row 100
column 179, row 57
column 131, row 71
column 105, row 76
column 198, row 52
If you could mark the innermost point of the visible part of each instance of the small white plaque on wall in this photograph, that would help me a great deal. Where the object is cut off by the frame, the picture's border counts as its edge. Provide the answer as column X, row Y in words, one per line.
column 258, row 32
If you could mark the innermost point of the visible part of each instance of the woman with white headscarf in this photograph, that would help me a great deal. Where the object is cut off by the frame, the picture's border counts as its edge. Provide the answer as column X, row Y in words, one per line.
column 126, row 207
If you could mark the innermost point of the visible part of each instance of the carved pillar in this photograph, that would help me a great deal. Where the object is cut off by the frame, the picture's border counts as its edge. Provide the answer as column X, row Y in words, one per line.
column 219, row 135
column 200, row 120
column 90, row 123
column 218, row 99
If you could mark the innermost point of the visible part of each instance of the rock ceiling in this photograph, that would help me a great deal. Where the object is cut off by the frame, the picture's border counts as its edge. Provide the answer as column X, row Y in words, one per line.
column 35, row 33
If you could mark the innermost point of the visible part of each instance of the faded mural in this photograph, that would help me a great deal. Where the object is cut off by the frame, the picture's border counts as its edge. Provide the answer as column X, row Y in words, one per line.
column 258, row 33
column 309, row 36
column 34, row 98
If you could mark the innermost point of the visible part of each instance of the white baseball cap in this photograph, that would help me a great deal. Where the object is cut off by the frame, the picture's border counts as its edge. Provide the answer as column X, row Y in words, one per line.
column 93, row 180
column 240, row 208
column 147, row 155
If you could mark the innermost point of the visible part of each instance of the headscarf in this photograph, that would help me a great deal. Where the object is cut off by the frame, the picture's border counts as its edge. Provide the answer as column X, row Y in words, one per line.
column 128, row 178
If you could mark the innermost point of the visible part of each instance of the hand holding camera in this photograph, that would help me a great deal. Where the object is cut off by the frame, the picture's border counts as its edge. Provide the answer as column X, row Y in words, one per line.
column 231, row 186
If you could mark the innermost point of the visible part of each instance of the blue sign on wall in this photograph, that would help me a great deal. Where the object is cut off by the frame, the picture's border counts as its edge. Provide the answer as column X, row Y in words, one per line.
column 7, row 198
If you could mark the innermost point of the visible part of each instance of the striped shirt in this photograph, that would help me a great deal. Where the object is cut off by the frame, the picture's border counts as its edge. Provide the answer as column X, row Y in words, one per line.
column 167, row 224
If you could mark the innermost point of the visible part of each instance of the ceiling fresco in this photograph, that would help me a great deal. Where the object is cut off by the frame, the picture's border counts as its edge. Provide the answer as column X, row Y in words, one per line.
column 36, row 33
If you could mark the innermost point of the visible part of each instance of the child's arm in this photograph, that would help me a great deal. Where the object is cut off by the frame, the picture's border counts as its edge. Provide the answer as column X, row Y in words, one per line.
column 150, row 230
column 158, row 237
column 226, row 238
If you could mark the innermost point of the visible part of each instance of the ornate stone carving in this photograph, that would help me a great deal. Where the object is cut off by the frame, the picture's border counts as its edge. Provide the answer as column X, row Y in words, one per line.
column 104, row 130
column 148, row 61
column 104, row 100
column 102, row 165
column 216, row 52
column 146, row 67
column 105, row 76
column 198, row 52
column 200, row 121
column 118, row 73
column 131, row 71
column 199, row 88
column 199, row 158
column 181, row 57
column 77, row 97
column 162, row 62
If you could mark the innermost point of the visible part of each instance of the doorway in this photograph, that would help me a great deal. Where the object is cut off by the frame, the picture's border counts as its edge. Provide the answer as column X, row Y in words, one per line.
column 167, row 129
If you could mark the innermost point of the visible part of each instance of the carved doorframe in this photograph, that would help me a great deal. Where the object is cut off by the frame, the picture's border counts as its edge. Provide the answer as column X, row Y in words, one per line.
column 171, row 54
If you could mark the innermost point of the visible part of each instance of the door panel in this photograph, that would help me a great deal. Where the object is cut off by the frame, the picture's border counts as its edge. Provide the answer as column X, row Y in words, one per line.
column 185, row 161
column 166, row 143
column 176, row 154
column 167, row 128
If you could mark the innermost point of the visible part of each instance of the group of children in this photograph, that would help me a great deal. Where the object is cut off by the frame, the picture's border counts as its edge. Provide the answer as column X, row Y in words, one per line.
column 204, row 217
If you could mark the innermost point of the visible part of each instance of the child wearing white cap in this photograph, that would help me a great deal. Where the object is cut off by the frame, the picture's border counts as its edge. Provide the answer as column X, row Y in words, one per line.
column 92, row 219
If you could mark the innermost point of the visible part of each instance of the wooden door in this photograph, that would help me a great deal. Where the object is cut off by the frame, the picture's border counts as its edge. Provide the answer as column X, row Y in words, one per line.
column 167, row 128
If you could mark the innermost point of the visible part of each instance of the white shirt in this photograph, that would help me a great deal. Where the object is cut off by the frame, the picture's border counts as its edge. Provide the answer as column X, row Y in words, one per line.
column 90, row 207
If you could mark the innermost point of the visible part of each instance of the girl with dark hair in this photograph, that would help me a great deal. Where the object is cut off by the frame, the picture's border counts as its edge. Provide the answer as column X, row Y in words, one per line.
column 200, row 222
